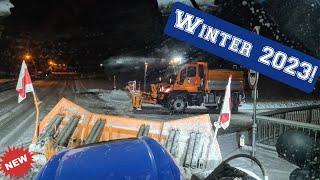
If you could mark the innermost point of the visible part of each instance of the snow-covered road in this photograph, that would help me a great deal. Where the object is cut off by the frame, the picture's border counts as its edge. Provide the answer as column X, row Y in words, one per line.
column 17, row 120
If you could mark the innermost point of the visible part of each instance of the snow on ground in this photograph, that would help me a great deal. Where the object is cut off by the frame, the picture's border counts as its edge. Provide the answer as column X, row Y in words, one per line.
column 277, row 168
column 116, row 101
column 119, row 101
column 91, row 102
column 277, row 105
column 7, row 94
column 25, row 138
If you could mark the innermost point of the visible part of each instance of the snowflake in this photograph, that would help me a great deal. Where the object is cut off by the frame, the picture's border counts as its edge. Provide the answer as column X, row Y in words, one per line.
column 244, row 3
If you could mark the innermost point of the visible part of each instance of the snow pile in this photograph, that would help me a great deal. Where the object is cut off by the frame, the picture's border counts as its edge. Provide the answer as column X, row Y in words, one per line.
column 117, row 101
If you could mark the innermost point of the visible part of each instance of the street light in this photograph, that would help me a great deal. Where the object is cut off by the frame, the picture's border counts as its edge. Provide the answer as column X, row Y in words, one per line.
column 27, row 57
column 176, row 60
column 51, row 62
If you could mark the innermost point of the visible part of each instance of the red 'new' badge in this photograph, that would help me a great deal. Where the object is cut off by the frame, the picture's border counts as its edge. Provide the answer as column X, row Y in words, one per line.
column 16, row 162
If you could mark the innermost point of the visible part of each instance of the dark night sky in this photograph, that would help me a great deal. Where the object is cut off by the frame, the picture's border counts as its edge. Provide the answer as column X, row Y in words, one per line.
column 90, row 31
column 80, row 31
column 61, row 14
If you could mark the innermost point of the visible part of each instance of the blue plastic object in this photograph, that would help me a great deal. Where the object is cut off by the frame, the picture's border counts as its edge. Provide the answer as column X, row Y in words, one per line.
column 137, row 158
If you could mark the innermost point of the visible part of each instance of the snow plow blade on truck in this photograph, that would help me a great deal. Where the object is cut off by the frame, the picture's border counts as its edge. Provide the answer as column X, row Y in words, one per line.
column 189, row 140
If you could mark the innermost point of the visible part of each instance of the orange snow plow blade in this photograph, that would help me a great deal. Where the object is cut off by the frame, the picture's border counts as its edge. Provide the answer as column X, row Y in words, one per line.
column 68, row 125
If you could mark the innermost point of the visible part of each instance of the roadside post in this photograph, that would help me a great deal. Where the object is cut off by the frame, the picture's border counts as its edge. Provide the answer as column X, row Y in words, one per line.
column 145, row 76
column 253, row 81
column 114, row 82
column 253, row 77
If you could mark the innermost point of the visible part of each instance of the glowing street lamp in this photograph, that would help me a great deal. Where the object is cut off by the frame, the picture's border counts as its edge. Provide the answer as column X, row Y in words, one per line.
column 27, row 57
column 51, row 62
column 176, row 60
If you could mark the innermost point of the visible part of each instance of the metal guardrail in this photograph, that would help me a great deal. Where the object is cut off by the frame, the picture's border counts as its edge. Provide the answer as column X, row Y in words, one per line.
column 273, row 123
column 307, row 114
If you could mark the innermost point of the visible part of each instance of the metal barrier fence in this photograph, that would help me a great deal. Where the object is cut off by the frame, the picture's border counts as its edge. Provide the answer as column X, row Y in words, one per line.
column 273, row 123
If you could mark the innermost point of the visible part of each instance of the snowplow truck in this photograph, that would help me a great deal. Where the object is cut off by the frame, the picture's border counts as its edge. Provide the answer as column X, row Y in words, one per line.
column 196, row 85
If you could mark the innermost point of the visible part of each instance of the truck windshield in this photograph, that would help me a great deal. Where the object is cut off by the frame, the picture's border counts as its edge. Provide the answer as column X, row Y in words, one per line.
column 191, row 71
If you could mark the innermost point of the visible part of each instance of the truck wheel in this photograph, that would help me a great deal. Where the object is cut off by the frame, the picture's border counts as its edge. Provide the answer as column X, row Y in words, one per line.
column 177, row 104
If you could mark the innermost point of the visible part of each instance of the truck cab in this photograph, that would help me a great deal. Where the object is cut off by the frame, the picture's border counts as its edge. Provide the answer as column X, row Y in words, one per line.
column 192, row 77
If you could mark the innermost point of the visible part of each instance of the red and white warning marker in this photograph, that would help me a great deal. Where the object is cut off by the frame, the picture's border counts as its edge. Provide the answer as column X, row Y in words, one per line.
column 225, row 114
column 24, row 84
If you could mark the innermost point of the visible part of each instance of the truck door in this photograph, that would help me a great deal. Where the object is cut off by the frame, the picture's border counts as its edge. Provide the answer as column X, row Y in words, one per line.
column 191, row 76
column 188, row 80
column 183, row 76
